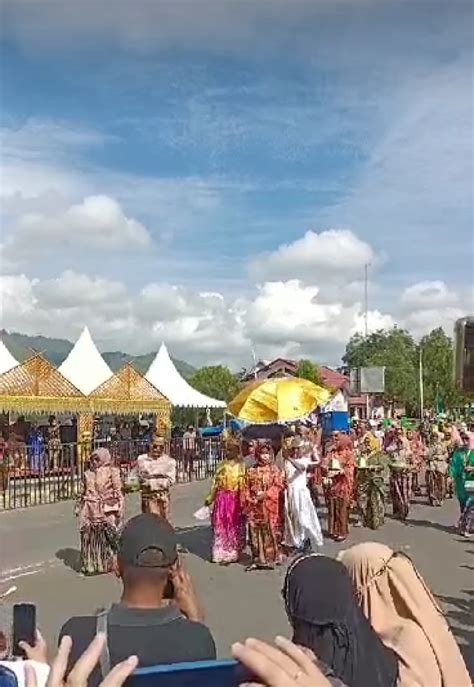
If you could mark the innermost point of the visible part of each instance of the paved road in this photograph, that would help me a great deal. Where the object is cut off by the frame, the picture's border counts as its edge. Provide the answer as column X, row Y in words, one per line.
column 39, row 551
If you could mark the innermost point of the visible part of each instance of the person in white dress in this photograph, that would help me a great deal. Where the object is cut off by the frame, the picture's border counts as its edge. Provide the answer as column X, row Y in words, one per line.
column 301, row 518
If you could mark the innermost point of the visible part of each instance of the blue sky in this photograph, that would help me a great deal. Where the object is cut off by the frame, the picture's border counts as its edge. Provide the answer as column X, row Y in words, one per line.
column 225, row 131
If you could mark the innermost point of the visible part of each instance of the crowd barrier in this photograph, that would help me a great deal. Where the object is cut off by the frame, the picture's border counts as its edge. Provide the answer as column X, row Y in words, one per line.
column 32, row 477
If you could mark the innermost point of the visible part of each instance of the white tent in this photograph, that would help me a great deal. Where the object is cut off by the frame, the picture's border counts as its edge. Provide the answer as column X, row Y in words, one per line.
column 85, row 367
column 164, row 376
column 7, row 361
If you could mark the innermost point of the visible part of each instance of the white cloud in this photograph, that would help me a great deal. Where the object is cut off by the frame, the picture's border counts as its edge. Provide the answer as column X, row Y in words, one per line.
column 96, row 222
column 428, row 294
column 316, row 257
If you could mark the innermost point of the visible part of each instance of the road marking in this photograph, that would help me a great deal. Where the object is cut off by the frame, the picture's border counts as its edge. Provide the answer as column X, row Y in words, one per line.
column 25, row 570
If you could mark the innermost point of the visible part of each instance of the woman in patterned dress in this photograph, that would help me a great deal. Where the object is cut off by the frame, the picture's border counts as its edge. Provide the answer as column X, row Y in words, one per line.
column 228, row 523
column 261, row 493
column 101, row 509
column 340, row 488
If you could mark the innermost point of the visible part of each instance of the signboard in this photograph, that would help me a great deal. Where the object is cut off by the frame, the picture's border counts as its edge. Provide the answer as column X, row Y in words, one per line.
column 367, row 380
column 464, row 354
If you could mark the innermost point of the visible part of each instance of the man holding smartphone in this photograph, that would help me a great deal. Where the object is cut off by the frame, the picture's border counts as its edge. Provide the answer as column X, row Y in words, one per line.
column 146, row 623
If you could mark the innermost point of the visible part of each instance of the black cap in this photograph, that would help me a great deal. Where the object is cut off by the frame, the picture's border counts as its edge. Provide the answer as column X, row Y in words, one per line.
column 148, row 533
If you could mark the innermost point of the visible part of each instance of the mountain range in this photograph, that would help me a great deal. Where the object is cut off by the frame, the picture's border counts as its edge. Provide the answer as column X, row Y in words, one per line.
column 22, row 346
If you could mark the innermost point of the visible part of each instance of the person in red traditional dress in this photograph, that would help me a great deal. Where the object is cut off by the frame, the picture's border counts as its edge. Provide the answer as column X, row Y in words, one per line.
column 340, row 485
column 261, row 494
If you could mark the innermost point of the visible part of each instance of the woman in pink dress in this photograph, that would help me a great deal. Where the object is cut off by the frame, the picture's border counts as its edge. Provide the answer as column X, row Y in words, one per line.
column 101, row 509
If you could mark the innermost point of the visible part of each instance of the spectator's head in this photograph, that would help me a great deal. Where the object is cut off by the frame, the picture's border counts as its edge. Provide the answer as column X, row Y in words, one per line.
column 146, row 557
column 394, row 596
column 263, row 452
column 325, row 617
column 157, row 447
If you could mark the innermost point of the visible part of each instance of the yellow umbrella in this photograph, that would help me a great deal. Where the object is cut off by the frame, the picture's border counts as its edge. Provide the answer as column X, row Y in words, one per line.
column 277, row 400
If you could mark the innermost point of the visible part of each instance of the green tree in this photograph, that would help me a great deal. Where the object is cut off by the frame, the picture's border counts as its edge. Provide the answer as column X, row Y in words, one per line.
column 308, row 370
column 438, row 370
column 395, row 350
column 216, row 381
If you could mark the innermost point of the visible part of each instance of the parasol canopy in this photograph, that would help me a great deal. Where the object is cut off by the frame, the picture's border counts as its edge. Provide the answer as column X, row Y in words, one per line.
column 277, row 400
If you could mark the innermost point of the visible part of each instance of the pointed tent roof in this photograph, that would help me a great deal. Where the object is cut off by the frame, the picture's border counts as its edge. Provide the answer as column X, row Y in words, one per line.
column 84, row 366
column 163, row 374
column 37, row 386
column 7, row 361
column 127, row 391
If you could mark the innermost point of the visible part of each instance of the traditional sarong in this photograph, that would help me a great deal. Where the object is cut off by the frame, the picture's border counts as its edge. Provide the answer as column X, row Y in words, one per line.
column 227, row 525
column 466, row 521
column 338, row 517
column 98, row 548
column 264, row 514
column 436, row 486
column 400, row 492
column 370, row 497
column 157, row 502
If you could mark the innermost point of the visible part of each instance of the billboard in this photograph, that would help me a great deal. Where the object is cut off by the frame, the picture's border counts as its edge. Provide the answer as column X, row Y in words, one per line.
column 464, row 354
column 367, row 380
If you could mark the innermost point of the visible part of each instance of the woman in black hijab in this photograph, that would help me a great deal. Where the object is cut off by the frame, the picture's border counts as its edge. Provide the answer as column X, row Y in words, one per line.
column 326, row 618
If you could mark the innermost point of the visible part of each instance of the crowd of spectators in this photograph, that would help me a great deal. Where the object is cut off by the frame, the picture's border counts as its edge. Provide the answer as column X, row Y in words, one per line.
column 364, row 620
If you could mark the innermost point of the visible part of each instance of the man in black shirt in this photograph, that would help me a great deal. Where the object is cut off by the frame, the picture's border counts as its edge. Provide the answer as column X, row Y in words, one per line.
column 158, row 618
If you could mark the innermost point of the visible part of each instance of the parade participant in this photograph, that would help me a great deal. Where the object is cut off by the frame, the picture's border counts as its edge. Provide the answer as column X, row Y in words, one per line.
column 340, row 485
column 248, row 450
column 461, row 470
column 301, row 519
column 418, row 451
column 156, row 473
column 400, row 471
column 225, row 499
column 370, row 488
column 326, row 619
column 437, row 469
column 261, row 504
column 403, row 612
column 100, row 508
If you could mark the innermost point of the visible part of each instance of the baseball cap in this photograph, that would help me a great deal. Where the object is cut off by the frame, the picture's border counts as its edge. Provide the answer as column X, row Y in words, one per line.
column 144, row 534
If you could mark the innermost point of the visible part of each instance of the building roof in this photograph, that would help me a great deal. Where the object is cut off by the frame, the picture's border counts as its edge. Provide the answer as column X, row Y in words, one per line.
column 128, row 391
column 164, row 376
column 333, row 378
column 84, row 366
column 37, row 386
column 7, row 361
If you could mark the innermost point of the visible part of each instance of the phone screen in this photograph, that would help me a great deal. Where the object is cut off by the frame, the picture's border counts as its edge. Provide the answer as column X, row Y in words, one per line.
column 24, row 626
column 197, row 674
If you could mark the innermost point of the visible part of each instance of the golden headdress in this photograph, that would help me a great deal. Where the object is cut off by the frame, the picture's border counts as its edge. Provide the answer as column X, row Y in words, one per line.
column 231, row 447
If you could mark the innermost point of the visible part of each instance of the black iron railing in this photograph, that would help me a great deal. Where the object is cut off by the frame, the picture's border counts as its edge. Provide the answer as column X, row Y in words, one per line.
column 32, row 477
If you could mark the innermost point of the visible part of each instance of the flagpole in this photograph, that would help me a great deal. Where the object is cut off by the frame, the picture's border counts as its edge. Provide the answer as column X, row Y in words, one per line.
column 422, row 395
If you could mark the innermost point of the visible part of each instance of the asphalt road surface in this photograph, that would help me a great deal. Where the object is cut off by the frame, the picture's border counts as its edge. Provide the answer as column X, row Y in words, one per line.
column 39, row 553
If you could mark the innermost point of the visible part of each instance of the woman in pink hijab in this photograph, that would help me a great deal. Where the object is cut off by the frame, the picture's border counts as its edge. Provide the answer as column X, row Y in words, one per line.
column 100, row 509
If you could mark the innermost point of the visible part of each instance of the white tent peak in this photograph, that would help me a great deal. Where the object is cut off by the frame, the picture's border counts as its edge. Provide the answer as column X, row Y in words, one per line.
column 164, row 376
column 84, row 366
column 7, row 361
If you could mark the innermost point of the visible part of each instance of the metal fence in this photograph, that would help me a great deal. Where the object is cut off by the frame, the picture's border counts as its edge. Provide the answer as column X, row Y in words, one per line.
column 31, row 477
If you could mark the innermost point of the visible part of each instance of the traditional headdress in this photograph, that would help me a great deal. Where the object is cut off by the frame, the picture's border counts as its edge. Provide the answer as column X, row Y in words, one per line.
column 232, row 448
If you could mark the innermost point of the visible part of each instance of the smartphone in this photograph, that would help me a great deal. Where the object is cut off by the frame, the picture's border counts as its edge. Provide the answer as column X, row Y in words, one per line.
column 197, row 674
column 24, row 627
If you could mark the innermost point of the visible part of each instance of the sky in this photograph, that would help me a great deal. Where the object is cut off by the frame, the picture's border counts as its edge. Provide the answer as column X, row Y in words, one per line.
column 216, row 175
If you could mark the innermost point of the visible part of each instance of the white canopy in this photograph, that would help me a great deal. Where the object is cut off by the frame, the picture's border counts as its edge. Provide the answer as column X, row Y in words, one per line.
column 165, row 377
column 85, row 367
column 7, row 361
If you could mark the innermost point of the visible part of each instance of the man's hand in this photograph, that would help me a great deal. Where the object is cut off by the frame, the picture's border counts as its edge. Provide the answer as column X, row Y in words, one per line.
column 185, row 595
column 37, row 652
